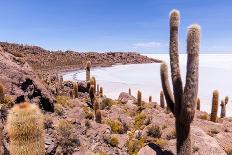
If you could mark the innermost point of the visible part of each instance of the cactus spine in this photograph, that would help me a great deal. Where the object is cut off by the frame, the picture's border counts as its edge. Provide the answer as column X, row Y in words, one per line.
column 98, row 117
column 101, row 92
column 214, row 110
column 139, row 98
column 183, row 103
column 198, row 104
column 75, row 89
column 2, row 95
column 162, row 104
column 88, row 66
column 25, row 127
column 223, row 109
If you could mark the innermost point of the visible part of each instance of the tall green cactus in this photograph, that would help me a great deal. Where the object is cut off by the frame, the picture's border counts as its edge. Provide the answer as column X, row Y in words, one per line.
column 214, row 110
column 25, row 127
column 139, row 98
column 223, row 109
column 88, row 66
column 162, row 104
column 183, row 103
column 129, row 91
column 198, row 104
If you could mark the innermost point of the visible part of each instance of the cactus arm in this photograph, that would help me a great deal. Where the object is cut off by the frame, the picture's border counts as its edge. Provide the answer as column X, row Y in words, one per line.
column 191, row 84
column 174, row 57
column 166, row 87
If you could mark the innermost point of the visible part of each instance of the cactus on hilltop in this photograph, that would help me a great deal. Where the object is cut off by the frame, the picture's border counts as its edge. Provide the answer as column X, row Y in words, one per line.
column 198, row 104
column 139, row 98
column 93, row 82
column 223, row 109
column 101, row 92
column 98, row 89
column 88, row 66
column 162, row 102
column 182, row 102
column 129, row 91
column 75, row 89
column 98, row 117
column 91, row 94
column 25, row 127
column 150, row 99
column 214, row 110
column 226, row 100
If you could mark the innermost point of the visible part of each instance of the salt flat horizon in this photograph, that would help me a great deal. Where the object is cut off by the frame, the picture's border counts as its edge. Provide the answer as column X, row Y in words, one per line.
column 214, row 73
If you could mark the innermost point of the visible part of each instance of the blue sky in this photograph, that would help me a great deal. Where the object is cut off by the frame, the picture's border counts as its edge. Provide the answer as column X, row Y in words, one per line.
column 114, row 25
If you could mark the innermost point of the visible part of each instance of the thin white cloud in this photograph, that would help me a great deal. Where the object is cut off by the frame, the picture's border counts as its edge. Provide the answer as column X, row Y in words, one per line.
column 150, row 45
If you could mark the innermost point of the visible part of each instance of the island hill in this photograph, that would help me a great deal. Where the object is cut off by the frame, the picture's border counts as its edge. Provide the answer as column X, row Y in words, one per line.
column 42, row 114
column 56, row 61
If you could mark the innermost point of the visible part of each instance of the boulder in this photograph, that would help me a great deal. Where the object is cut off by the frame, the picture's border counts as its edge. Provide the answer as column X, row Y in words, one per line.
column 125, row 97
column 146, row 151
column 22, row 83
column 205, row 144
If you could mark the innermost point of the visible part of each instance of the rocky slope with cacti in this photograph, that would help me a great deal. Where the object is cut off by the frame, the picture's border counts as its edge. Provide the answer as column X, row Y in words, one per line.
column 54, row 61
column 46, row 115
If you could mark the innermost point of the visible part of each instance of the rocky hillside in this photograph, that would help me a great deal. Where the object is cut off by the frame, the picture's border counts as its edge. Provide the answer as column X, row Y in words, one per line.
column 126, row 128
column 41, row 59
column 21, row 82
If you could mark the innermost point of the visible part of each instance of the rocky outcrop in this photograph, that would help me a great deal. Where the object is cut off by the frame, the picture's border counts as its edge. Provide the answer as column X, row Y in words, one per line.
column 42, row 59
column 125, row 97
column 22, row 83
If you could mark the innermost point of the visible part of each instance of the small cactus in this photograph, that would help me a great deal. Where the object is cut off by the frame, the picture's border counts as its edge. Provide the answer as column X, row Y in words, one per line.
column 198, row 104
column 214, row 109
column 93, row 82
column 150, row 99
column 91, row 94
column 226, row 100
column 98, row 117
column 223, row 109
column 75, row 89
column 25, row 127
column 88, row 66
column 71, row 93
column 129, row 91
column 88, row 85
column 98, row 89
column 139, row 98
column 101, row 92
column 2, row 95
column 162, row 104
column 96, row 106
